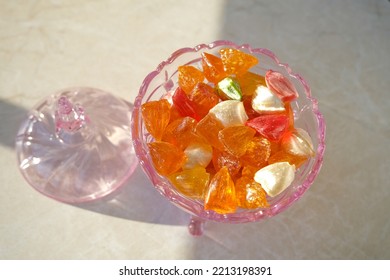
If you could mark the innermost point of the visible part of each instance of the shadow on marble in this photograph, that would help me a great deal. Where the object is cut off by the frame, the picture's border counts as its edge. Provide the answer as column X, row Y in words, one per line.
column 11, row 117
column 138, row 200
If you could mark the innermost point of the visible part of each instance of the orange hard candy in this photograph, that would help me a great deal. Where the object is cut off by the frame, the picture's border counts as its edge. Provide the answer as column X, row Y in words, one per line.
column 250, row 194
column 191, row 182
column 188, row 77
column 180, row 132
column 225, row 159
column 236, row 62
column 213, row 68
column 281, row 156
column 211, row 170
column 249, row 81
column 209, row 128
column 203, row 99
column 166, row 157
column 275, row 147
column 220, row 195
column 236, row 139
column 257, row 153
column 156, row 115
column 175, row 114
column 249, row 171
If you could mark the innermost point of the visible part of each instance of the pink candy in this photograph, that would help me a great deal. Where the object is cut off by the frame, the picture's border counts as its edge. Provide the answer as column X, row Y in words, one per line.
column 280, row 86
column 271, row 127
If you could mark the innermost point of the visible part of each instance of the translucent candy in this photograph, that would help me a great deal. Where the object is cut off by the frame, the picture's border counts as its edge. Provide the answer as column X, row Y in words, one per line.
column 281, row 86
column 271, row 127
column 198, row 154
column 220, row 195
column 184, row 105
column 156, row 115
column 211, row 170
column 250, row 194
column 276, row 177
column 229, row 89
column 180, row 132
column 175, row 114
column 209, row 128
column 188, row 77
column 282, row 155
column 298, row 142
column 203, row 98
column 225, row 159
column 230, row 113
column 247, row 102
column 257, row 153
column 236, row 62
column 212, row 68
column 275, row 147
column 166, row 157
column 249, row 81
column 191, row 182
column 249, row 171
column 290, row 115
column 264, row 101
column 236, row 139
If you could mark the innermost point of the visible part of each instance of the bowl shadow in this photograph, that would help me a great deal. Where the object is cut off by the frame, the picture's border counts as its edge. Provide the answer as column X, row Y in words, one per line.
column 137, row 200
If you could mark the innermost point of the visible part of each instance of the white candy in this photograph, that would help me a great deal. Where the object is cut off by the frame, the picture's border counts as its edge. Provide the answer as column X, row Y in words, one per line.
column 299, row 143
column 230, row 113
column 198, row 155
column 265, row 101
column 276, row 177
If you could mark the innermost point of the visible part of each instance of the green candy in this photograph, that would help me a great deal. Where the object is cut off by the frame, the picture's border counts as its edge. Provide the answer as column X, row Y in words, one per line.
column 229, row 88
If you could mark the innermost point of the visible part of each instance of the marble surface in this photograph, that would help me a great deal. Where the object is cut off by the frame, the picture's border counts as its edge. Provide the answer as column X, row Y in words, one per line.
column 340, row 47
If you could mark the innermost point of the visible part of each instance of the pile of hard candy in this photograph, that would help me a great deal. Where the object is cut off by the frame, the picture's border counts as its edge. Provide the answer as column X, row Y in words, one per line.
column 226, row 135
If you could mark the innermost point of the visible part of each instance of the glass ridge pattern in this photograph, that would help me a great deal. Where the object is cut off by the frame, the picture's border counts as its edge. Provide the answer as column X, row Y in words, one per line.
column 76, row 145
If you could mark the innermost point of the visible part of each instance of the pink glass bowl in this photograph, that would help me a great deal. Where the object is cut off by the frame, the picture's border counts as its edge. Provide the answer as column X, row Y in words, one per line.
column 307, row 116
